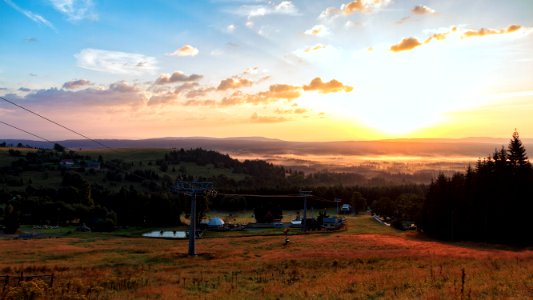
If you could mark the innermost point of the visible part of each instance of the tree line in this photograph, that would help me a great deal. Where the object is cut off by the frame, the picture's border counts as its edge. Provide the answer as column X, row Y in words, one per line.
column 491, row 202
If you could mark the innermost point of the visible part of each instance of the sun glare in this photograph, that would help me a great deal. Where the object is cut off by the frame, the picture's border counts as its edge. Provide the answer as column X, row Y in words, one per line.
column 401, row 93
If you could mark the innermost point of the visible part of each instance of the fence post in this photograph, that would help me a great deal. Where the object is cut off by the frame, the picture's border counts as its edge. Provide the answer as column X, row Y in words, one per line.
column 6, row 282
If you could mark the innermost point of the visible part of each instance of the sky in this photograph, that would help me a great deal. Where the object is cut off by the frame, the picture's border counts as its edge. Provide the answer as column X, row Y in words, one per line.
column 293, row 70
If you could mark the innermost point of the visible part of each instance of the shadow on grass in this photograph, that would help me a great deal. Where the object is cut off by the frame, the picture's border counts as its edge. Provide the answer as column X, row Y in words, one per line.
column 473, row 245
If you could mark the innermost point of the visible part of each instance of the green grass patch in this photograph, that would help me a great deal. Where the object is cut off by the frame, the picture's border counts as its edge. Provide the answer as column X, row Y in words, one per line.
column 366, row 224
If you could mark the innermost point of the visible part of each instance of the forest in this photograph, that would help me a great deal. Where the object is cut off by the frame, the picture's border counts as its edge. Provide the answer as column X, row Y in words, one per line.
column 492, row 202
column 489, row 202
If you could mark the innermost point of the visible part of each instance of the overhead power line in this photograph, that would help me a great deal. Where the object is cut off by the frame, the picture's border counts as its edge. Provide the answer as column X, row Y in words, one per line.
column 56, row 123
column 25, row 131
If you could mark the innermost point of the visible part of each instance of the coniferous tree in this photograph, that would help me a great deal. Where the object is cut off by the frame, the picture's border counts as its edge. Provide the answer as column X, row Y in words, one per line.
column 11, row 219
column 517, row 152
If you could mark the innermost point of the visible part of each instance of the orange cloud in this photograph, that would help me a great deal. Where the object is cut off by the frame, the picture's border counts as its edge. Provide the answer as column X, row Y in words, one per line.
column 200, row 103
column 406, row 44
column 299, row 110
column 363, row 6
column 352, row 7
column 186, row 50
column 489, row 31
column 275, row 92
column 333, row 86
column 411, row 42
column 266, row 119
column 314, row 48
column 513, row 28
column 233, row 83
column 317, row 30
column 177, row 77
column 282, row 91
column 422, row 10
column 437, row 36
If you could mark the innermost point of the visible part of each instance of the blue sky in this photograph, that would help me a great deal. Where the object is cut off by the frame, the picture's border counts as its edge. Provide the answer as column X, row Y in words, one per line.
column 298, row 70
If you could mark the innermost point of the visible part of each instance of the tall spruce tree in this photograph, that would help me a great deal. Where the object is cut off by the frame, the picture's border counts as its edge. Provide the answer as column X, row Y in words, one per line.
column 517, row 153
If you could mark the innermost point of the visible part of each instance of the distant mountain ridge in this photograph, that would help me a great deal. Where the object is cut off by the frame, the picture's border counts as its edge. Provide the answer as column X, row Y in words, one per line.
column 471, row 147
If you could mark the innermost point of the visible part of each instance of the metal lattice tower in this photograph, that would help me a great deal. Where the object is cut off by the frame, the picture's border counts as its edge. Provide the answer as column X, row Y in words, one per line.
column 193, row 188
column 305, row 194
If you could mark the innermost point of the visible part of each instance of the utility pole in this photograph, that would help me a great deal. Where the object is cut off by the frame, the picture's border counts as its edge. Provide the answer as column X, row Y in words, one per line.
column 338, row 200
column 305, row 194
column 192, row 226
column 193, row 188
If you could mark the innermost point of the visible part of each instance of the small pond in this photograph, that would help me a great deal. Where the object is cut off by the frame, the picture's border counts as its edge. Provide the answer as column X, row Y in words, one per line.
column 166, row 234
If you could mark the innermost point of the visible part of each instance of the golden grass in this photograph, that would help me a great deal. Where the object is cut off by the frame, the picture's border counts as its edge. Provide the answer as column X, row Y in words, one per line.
column 340, row 265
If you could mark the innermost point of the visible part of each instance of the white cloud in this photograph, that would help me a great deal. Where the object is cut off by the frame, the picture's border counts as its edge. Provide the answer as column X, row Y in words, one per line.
column 329, row 13
column 30, row 15
column 231, row 28
column 75, row 10
column 186, row 50
column 281, row 8
column 286, row 7
column 116, row 62
column 258, row 11
column 216, row 52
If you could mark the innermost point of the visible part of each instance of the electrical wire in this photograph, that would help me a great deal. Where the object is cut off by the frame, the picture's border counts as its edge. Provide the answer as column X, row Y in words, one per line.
column 20, row 129
column 32, row 134
column 56, row 123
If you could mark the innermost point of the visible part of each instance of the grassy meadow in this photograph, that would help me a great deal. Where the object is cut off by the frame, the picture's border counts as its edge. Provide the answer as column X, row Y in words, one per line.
column 365, row 261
